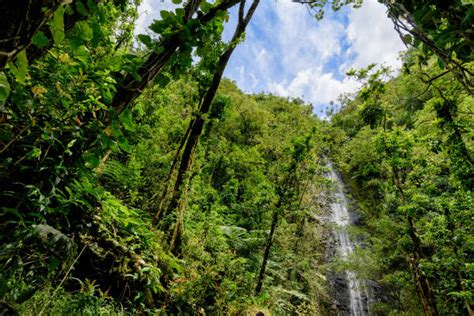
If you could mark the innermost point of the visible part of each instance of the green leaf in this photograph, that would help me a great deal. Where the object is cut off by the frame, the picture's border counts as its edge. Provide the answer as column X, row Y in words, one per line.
column 127, row 120
column 40, row 40
column 82, row 54
column 145, row 39
column 107, row 95
column 20, row 68
column 71, row 143
column 441, row 63
column 34, row 153
column 162, row 80
column 164, row 14
column 22, row 61
column 92, row 161
column 4, row 87
column 57, row 25
column 179, row 12
column 206, row 6
column 81, row 8
column 84, row 31
column 124, row 145
column 176, row 1
column 116, row 132
column 408, row 39
column 91, row 5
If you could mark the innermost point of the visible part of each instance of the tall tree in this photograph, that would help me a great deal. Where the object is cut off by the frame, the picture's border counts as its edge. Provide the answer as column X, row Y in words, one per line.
column 288, row 194
column 177, row 203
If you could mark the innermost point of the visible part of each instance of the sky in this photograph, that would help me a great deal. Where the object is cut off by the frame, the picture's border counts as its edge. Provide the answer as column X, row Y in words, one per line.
column 288, row 52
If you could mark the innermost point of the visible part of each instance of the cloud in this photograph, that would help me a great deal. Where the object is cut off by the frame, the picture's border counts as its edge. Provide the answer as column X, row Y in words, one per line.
column 372, row 37
column 302, row 40
column 289, row 53
column 282, row 40
column 315, row 86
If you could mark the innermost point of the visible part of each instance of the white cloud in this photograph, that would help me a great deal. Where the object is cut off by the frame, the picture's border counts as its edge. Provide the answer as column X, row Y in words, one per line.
column 289, row 53
column 316, row 55
column 315, row 86
column 372, row 37
column 302, row 40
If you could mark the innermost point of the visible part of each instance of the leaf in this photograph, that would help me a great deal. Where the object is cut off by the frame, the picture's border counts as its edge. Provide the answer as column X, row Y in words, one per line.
column 92, row 161
column 162, row 80
column 164, row 14
column 145, row 39
column 4, row 87
column 82, row 54
column 176, row 1
column 124, row 145
column 107, row 95
column 206, row 6
column 116, row 132
column 40, row 40
column 71, row 143
column 127, row 120
column 84, row 31
column 136, row 76
column 20, row 67
column 441, row 63
column 179, row 12
column 39, row 90
column 34, row 153
column 408, row 39
column 81, row 8
column 57, row 25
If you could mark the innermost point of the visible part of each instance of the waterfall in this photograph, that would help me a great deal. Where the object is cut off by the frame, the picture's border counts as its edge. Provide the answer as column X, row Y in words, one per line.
column 344, row 246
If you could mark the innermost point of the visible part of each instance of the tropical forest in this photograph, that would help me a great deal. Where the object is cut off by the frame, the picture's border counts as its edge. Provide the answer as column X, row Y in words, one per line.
column 237, row 157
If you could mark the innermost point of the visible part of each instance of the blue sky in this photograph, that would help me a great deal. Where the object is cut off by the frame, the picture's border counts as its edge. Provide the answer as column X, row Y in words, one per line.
column 289, row 53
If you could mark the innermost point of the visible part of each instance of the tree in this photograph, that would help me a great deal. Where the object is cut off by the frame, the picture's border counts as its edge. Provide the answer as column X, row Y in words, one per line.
column 288, row 194
column 197, row 126
column 441, row 28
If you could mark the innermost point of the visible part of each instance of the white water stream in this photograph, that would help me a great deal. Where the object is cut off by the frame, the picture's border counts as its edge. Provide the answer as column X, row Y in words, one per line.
column 340, row 216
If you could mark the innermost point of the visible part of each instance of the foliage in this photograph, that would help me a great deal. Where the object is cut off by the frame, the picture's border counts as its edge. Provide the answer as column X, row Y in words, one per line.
column 93, row 125
column 413, row 173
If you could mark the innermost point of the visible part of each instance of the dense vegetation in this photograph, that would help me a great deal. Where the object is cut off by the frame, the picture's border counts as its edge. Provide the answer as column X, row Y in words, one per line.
column 134, row 179
column 405, row 147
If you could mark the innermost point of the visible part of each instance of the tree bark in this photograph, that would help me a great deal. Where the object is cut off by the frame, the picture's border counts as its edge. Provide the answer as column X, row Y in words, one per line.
column 266, row 254
column 159, row 212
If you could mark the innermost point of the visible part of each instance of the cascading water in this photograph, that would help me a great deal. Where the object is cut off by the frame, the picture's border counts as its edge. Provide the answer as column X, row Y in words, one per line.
column 344, row 246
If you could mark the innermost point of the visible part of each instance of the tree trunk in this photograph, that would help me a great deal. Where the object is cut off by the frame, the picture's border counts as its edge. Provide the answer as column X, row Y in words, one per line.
column 266, row 254
column 198, row 127
column 422, row 283
column 423, row 286
column 159, row 212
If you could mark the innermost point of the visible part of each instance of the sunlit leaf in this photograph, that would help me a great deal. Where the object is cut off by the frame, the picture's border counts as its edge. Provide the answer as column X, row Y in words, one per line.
column 57, row 25
column 84, row 31
column 4, row 87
